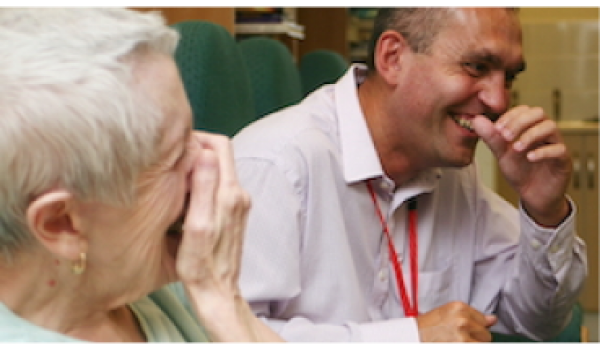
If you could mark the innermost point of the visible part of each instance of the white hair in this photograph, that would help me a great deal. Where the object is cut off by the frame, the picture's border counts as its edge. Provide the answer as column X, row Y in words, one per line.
column 71, row 115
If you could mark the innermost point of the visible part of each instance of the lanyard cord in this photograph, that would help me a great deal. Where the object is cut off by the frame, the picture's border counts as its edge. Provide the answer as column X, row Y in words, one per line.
column 409, row 310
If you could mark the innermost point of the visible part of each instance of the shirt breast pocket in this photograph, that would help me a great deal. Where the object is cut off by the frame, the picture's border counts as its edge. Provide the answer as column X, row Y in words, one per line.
column 435, row 288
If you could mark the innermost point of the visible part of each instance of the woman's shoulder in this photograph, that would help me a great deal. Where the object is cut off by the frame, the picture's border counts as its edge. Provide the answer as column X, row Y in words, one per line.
column 15, row 329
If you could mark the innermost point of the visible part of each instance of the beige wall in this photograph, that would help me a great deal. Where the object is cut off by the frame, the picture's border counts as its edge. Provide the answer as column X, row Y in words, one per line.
column 557, row 13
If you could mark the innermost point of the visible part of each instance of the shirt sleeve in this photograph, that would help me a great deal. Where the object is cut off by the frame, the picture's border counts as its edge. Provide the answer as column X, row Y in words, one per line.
column 271, row 255
column 539, row 272
column 393, row 330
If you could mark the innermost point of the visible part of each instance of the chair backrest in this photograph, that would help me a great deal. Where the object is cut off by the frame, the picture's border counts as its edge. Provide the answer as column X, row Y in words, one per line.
column 321, row 67
column 274, row 75
column 574, row 332
column 215, row 78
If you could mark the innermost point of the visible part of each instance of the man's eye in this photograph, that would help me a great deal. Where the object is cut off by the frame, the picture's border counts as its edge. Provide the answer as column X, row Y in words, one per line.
column 475, row 69
column 510, row 79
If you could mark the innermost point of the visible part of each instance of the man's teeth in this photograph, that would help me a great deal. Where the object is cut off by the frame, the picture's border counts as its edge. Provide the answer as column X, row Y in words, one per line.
column 465, row 123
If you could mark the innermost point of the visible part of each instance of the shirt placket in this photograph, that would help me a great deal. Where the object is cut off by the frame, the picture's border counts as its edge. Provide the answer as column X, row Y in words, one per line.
column 384, row 280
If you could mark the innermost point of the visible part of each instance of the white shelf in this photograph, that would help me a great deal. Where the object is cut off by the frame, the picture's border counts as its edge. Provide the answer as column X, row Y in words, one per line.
column 291, row 29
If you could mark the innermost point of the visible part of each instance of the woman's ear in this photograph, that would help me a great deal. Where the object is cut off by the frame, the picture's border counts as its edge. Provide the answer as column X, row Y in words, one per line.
column 53, row 220
column 389, row 54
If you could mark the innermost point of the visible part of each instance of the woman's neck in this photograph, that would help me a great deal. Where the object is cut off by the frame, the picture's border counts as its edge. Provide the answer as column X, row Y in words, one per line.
column 43, row 291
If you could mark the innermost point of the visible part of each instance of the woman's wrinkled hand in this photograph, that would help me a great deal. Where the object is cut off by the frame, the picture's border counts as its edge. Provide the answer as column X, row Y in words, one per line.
column 210, row 252
column 209, row 257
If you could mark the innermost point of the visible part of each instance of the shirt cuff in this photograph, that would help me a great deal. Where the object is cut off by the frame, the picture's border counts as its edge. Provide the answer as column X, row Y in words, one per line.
column 395, row 330
column 554, row 245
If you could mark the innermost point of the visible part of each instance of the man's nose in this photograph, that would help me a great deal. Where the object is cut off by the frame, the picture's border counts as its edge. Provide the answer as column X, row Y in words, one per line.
column 494, row 94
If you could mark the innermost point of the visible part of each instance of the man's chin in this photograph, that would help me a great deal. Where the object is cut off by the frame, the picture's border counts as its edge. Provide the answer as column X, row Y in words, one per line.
column 459, row 162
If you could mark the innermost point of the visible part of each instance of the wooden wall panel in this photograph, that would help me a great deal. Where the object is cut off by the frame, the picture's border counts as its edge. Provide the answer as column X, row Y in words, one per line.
column 324, row 28
column 224, row 16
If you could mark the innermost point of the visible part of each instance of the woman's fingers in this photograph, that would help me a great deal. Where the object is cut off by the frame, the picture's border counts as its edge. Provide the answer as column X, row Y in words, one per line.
column 200, row 229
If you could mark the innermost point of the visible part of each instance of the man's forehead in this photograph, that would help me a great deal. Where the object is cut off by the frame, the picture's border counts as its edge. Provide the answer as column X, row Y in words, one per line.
column 486, row 16
column 482, row 26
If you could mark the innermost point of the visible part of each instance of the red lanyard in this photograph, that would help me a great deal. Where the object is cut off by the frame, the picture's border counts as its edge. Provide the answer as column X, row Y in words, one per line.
column 409, row 310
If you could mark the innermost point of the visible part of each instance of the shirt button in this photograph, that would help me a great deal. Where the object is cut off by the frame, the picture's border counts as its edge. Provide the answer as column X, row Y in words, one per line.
column 535, row 243
column 382, row 276
column 385, row 186
column 554, row 248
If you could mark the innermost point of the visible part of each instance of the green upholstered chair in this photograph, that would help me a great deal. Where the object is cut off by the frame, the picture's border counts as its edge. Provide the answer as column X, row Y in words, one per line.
column 215, row 79
column 575, row 332
column 320, row 67
column 274, row 75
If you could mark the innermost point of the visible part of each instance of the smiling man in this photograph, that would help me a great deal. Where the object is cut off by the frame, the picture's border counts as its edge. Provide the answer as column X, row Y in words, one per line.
column 369, row 221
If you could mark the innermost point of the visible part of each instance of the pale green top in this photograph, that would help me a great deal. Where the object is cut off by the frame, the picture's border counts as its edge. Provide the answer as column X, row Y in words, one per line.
column 165, row 316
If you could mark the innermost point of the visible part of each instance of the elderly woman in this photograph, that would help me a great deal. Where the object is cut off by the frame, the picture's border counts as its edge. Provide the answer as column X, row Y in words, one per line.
column 99, row 166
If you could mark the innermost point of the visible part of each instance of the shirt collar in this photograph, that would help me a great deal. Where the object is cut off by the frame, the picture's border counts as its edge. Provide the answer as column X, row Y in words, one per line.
column 360, row 160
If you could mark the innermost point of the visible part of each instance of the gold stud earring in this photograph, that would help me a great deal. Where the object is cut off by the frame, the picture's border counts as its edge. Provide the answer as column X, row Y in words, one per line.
column 78, row 267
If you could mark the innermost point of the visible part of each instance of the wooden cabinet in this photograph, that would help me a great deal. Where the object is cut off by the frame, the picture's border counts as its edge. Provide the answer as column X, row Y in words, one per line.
column 582, row 140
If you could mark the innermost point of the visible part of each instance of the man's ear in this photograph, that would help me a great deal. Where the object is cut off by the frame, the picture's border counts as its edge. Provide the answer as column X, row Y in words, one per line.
column 53, row 219
column 389, row 55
